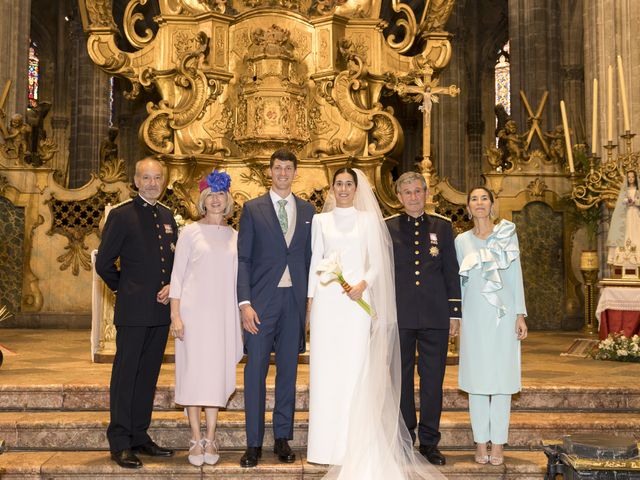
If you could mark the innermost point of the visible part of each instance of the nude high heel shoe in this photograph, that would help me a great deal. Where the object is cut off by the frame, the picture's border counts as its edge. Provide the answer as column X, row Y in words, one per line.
column 210, row 458
column 196, row 459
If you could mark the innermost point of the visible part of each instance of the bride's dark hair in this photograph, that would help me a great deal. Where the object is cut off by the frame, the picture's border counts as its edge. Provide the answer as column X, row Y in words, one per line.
column 348, row 170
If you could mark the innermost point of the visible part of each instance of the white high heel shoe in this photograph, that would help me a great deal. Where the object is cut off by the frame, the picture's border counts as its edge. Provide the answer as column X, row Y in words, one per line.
column 196, row 460
column 210, row 458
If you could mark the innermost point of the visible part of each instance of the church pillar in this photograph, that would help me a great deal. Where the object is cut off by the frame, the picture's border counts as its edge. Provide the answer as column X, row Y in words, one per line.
column 15, row 26
column 611, row 29
column 456, row 147
column 60, row 107
column 89, row 110
column 572, row 67
column 534, row 31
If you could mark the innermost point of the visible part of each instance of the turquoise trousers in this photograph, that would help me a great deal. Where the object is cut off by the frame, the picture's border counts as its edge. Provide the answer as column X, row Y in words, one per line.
column 490, row 417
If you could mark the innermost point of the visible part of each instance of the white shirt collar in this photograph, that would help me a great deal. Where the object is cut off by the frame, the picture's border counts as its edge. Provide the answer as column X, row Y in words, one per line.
column 275, row 197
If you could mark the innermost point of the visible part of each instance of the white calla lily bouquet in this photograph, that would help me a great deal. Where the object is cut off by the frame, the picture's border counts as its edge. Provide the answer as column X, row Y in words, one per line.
column 330, row 270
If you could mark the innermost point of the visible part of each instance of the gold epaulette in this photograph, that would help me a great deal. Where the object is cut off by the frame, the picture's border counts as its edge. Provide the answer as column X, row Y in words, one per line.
column 439, row 216
column 391, row 216
column 118, row 205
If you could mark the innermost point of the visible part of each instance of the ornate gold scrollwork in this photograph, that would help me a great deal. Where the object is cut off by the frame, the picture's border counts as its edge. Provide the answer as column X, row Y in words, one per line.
column 196, row 91
column 129, row 25
column 350, row 92
column 408, row 25
column 100, row 13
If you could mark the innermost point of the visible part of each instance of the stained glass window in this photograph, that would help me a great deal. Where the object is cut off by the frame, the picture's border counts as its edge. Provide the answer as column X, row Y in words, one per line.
column 503, row 78
column 111, row 100
column 34, row 75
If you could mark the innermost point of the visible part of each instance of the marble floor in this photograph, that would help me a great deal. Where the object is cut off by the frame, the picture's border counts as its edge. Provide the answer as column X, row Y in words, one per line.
column 60, row 357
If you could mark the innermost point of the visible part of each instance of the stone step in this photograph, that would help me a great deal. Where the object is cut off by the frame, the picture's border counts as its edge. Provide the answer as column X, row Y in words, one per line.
column 86, row 430
column 60, row 465
column 70, row 397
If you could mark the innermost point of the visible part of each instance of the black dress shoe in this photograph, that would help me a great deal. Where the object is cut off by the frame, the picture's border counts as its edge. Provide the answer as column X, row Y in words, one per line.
column 153, row 450
column 283, row 451
column 431, row 453
column 126, row 459
column 250, row 457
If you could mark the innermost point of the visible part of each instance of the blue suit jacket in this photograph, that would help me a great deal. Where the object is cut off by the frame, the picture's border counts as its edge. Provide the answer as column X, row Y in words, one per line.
column 263, row 255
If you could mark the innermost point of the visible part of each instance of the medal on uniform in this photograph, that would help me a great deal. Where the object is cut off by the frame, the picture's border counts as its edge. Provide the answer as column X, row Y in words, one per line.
column 167, row 228
column 172, row 246
column 434, row 250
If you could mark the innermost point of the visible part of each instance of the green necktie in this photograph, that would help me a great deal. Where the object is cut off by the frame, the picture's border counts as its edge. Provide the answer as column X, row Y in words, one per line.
column 282, row 216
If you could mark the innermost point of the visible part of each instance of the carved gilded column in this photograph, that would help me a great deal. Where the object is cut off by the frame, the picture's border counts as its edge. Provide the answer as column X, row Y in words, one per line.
column 15, row 26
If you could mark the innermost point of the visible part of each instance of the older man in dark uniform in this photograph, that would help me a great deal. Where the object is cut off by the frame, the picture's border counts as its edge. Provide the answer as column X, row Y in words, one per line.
column 428, row 301
column 142, row 234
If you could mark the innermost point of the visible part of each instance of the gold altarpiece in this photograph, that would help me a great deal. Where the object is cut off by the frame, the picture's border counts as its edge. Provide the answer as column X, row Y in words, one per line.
column 237, row 83
column 239, row 80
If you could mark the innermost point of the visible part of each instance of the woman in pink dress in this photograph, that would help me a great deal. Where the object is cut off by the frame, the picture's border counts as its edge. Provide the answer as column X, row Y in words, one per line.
column 204, row 315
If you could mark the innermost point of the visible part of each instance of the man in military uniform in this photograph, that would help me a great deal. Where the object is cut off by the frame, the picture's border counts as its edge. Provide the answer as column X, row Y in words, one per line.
column 428, row 302
column 142, row 234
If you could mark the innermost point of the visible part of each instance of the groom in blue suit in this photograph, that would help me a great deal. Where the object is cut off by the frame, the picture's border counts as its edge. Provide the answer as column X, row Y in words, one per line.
column 274, row 252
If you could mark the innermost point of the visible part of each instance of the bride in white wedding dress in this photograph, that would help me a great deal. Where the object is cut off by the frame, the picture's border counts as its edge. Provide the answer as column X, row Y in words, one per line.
column 354, row 404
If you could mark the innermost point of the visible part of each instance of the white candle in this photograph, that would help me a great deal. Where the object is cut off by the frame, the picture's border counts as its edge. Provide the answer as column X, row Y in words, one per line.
column 567, row 137
column 623, row 95
column 610, row 104
column 594, row 119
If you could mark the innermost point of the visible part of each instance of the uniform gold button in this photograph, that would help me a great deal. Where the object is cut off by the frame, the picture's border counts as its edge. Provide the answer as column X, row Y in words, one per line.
column 417, row 233
column 155, row 215
column 162, row 259
column 416, row 224
column 416, row 242
column 417, row 252
column 160, row 236
column 417, row 262
column 158, row 226
column 417, row 272
column 162, row 282
column 455, row 309
column 164, row 271
column 417, row 282
column 161, row 247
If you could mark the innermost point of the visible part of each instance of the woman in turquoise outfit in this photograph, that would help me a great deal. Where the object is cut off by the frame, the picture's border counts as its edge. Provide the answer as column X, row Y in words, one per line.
column 493, row 311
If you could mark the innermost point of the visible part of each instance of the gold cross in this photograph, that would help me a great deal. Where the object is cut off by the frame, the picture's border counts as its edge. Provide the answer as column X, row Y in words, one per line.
column 535, row 121
column 419, row 86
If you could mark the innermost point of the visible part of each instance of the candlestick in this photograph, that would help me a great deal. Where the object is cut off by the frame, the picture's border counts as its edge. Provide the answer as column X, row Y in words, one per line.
column 610, row 104
column 567, row 137
column 610, row 146
column 594, row 118
column 623, row 95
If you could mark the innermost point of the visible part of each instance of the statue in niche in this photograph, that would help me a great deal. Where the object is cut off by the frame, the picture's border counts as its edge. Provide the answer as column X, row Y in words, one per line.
column 108, row 147
column 42, row 148
column 556, row 145
column 18, row 137
column 623, row 240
